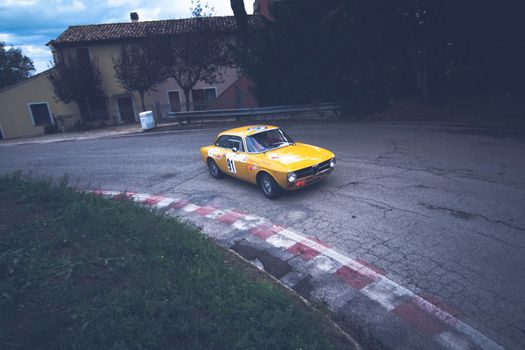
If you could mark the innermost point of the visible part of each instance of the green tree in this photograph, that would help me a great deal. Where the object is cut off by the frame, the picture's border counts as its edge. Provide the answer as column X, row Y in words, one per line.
column 75, row 80
column 365, row 53
column 14, row 66
column 290, row 58
column 136, row 70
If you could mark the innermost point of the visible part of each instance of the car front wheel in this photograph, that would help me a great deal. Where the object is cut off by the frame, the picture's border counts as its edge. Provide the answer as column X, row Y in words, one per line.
column 214, row 169
column 269, row 187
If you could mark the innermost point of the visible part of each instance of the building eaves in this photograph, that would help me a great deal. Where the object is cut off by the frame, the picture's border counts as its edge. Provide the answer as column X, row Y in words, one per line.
column 118, row 32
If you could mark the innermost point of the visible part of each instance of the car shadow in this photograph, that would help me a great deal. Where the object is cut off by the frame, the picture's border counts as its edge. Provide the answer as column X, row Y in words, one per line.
column 254, row 190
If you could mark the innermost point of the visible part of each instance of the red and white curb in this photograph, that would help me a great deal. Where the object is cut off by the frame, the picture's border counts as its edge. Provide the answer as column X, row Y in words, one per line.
column 431, row 318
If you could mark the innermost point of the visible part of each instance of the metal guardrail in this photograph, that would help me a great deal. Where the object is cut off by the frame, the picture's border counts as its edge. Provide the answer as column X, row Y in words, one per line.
column 314, row 111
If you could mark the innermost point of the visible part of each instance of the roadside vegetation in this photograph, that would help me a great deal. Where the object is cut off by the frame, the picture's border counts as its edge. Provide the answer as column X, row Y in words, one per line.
column 371, row 55
column 14, row 66
column 79, row 271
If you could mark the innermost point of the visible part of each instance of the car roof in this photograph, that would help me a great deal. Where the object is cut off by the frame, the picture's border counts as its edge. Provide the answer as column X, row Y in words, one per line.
column 248, row 130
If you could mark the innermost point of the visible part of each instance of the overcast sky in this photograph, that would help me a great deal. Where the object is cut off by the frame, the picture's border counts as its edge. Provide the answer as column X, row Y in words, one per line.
column 30, row 24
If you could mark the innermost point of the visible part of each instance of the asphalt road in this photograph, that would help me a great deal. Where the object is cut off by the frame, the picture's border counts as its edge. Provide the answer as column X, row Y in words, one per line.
column 440, row 209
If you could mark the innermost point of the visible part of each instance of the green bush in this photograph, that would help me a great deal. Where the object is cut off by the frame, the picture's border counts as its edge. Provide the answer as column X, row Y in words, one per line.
column 50, row 129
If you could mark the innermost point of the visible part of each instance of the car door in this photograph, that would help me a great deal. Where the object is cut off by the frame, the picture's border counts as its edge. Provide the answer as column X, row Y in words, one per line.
column 219, row 152
column 235, row 158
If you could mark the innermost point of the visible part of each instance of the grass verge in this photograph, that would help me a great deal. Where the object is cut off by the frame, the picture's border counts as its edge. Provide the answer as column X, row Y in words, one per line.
column 82, row 272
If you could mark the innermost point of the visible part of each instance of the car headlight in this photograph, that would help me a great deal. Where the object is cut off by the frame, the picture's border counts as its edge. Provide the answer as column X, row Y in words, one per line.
column 292, row 177
column 332, row 162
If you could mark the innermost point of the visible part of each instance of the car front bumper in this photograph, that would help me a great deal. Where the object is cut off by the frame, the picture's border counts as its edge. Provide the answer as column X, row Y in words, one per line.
column 308, row 180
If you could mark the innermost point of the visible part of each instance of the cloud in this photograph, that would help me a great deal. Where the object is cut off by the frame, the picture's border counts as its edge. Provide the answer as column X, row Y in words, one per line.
column 74, row 6
column 120, row 3
column 41, row 56
column 18, row 3
column 6, row 37
column 149, row 13
column 35, row 50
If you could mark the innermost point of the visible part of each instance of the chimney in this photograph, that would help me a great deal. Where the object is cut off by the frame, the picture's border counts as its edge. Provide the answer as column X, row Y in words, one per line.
column 134, row 17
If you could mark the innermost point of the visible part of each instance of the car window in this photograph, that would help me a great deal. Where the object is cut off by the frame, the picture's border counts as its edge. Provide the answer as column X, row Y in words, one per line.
column 267, row 140
column 235, row 141
column 229, row 142
column 222, row 141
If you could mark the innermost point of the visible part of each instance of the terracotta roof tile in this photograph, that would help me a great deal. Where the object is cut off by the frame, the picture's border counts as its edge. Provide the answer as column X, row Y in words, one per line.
column 137, row 30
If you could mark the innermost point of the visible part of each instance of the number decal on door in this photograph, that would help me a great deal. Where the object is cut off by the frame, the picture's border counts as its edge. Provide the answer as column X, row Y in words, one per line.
column 231, row 165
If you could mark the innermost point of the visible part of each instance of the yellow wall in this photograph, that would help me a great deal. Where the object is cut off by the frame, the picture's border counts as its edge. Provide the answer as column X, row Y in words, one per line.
column 228, row 77
column 15, row 116
column 104, row 54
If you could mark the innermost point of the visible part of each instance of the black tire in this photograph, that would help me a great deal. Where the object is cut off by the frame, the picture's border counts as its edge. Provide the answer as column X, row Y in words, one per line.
column 214, row 169
column 269, row 187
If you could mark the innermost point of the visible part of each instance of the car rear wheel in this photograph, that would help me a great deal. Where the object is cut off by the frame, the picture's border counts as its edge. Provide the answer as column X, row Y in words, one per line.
column 269, row 187
column 214, row 169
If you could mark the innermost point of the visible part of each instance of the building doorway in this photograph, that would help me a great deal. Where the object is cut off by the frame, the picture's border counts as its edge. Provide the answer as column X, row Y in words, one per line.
column 174, row 101
column 126, row 110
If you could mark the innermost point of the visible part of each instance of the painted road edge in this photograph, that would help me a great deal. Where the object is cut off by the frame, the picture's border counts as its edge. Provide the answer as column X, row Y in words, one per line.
column 430, row 319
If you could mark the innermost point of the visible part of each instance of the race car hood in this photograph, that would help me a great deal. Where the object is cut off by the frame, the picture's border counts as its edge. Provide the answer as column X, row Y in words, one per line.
column 298, row 156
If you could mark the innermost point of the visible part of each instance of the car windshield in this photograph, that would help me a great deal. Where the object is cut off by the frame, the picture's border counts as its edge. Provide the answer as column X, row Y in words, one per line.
column 267, row 140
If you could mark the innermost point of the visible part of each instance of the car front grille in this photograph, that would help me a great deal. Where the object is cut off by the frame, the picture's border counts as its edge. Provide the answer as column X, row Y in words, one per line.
column 313, row 170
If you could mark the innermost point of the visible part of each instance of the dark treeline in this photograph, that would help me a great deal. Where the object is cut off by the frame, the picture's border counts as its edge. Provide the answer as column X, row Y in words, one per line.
column 365, row 53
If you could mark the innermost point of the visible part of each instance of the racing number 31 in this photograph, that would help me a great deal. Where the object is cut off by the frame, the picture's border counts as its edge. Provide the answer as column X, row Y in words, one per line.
column 231, row 165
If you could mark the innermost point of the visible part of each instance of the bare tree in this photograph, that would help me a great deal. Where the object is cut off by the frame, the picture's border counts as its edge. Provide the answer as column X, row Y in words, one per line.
column 75, row 80
column 136, row 70
column 197, row 55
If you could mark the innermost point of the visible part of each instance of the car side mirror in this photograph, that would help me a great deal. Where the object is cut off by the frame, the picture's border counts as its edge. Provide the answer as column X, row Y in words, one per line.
column 234, row 149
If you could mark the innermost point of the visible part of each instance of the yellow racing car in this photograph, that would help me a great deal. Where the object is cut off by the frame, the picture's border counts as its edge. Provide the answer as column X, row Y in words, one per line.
column 266, row 156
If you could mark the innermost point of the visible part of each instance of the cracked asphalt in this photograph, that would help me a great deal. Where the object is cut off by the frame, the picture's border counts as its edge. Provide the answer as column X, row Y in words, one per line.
column 439, row 208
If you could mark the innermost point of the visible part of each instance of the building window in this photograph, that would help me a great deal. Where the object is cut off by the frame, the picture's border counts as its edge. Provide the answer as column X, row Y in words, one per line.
column 203, row 98
column 174, row 100
column 83, row 55
column 40, row 113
